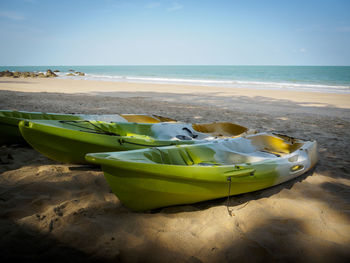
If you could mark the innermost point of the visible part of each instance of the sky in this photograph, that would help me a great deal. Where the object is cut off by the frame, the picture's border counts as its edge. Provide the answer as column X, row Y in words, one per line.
column 183, row 32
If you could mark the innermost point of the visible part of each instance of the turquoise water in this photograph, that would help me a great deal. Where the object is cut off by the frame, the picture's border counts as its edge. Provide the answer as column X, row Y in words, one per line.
column 312, row 78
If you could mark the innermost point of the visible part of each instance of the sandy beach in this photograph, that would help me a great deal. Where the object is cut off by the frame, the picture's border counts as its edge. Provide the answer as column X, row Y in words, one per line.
column 51, row 211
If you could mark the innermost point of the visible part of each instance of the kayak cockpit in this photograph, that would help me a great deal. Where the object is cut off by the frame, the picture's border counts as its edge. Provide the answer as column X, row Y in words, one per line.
column 158, row 131
column 249, row 149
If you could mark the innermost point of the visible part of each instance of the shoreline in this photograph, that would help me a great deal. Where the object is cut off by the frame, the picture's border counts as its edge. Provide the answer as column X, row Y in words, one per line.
column 128, row 89
column 301, row 78
column 217, row 83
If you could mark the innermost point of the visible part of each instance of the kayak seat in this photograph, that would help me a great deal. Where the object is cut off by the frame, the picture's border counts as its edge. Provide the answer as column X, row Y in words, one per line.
column 220, row 129
column 201, row 154
column 140, row 118
column 176, row 156
column 274, row 144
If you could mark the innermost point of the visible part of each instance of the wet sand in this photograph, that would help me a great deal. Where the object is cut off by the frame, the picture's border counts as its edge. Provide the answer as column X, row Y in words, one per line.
column 54, row 211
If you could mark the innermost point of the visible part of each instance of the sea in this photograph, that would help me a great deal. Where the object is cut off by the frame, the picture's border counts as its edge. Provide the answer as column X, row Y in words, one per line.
column 330, row 79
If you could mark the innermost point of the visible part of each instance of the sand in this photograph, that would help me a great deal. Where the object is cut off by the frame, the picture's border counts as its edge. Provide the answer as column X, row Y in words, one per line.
column 53, row 211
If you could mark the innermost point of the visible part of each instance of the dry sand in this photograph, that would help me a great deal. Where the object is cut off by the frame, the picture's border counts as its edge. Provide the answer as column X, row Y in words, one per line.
column 54, row 212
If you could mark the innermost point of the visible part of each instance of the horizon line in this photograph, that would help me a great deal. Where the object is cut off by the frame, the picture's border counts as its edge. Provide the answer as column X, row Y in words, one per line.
column 175, row 65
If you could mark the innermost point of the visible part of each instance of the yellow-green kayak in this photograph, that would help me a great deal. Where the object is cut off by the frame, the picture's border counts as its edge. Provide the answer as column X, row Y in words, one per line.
column 10, row 134
column 184, row 174
column 69, row 141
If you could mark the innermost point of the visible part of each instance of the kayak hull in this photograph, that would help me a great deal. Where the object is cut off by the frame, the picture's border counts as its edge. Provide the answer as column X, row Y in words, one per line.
column 10, row 134
column 70, row 146
column 142, row 191
column 70, row 141
column 141, row 185
column 9, row 120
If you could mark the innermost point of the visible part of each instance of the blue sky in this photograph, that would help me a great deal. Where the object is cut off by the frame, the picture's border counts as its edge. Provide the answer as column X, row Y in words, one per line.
column 236, row 32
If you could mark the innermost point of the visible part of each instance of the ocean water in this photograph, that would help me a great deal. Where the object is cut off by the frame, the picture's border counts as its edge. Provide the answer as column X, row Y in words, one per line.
column 334, row 79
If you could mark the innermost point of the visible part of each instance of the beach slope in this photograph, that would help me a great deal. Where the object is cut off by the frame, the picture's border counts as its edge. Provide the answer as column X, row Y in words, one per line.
column 54, row 211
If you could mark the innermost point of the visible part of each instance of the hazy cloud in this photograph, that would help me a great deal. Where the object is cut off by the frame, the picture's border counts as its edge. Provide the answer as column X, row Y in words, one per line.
column 12, row 15
column 302, row 50
column 175, row 6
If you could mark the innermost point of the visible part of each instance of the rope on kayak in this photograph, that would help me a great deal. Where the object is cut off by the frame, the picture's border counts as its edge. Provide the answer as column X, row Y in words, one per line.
column 230, row 211
column 228, row 196
column 102, row 131
column 91, row 130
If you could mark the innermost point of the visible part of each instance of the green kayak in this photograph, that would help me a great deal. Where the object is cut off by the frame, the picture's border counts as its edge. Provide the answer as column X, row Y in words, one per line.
column 9, row 133
column 184, row 174
column 69, row 141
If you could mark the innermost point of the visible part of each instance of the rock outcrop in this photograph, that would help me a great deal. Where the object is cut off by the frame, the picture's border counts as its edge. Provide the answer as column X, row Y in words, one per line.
column 6, row 73
column 50, row 74
column 27, row 74
column 16, row 74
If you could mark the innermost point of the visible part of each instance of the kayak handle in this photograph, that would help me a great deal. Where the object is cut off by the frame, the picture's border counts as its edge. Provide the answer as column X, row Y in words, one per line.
column 240, row 173
column 190, row 132
column 298, row 162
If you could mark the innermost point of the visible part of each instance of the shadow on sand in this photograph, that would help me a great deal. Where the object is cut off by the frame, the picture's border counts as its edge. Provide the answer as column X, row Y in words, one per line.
column 105, row 231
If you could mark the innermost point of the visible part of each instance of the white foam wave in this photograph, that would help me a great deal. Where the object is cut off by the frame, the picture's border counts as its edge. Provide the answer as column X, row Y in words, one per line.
column 219, row 83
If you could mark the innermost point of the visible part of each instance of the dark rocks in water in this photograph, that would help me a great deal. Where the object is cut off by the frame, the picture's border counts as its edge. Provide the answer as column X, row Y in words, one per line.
column 76, row 73
column 71, row 70
column 50, row 74
column 6, row 73
column 56, row 70
column 16, row 74
column 27, row 74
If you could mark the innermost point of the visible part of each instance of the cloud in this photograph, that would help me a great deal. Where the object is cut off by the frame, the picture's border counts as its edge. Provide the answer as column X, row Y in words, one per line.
column 175, row 6
column 152, row 5
column 12, row 15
